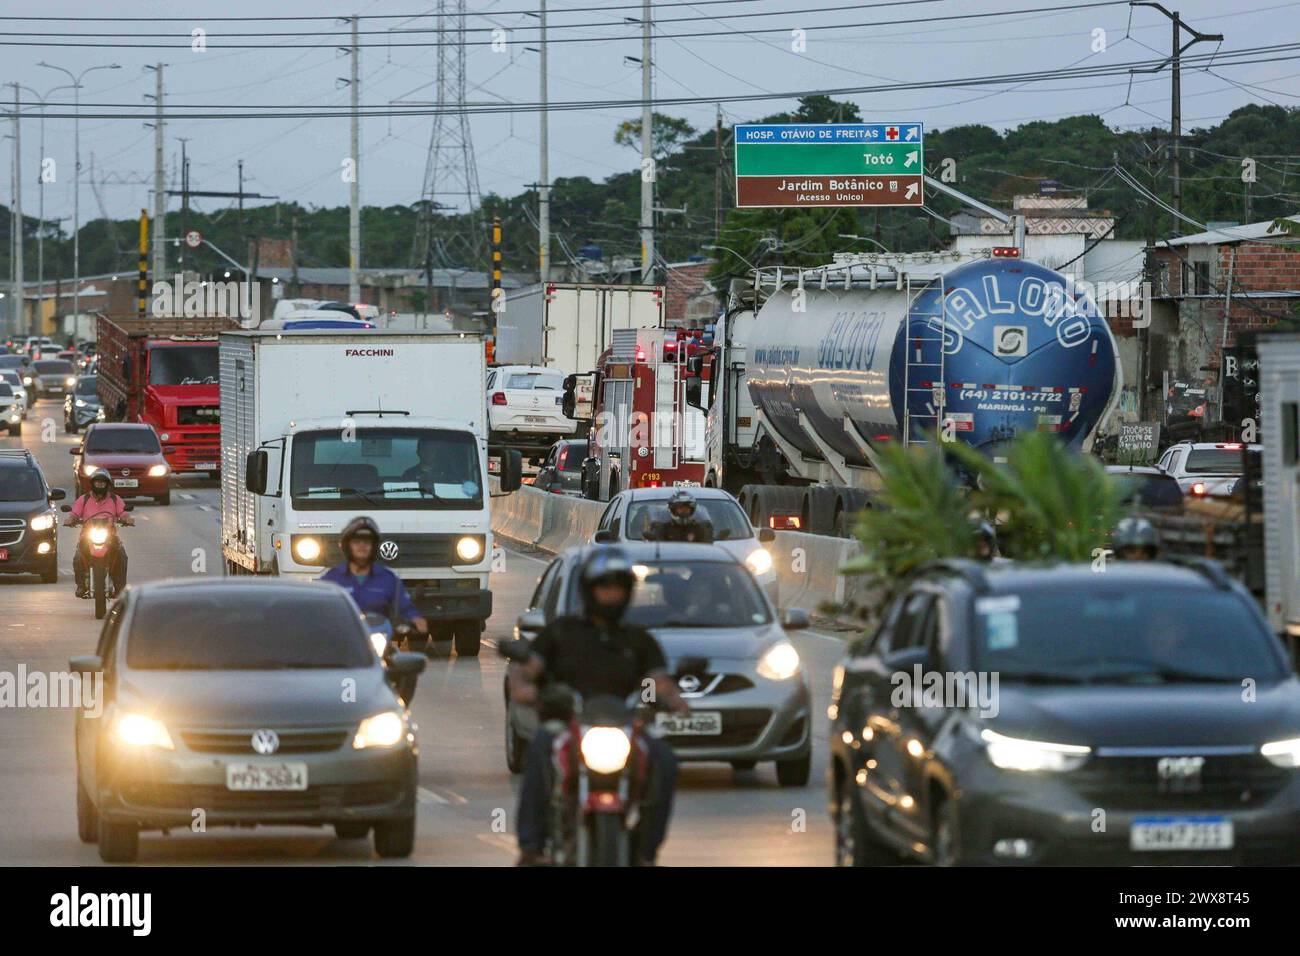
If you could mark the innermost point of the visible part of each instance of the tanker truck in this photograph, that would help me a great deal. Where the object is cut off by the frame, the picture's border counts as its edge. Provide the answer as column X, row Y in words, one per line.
column 813, row 371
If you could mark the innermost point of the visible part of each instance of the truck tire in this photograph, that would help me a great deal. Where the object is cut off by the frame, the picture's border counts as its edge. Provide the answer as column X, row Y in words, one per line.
column 468, row 637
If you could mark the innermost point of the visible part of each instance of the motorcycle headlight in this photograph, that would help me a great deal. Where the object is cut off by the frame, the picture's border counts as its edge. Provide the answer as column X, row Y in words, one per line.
column 781, row 661
column 80, row 403
column 759, row 561
column 98, row 535
column 469, row 548
column 381, row 730
column 1283, row 753
column 69, row 382
column 27, row 380
column 42, row 522
column 306, row 549
column 157, row 471
column 606, row 749
column 137, row 730
column 1013, row 753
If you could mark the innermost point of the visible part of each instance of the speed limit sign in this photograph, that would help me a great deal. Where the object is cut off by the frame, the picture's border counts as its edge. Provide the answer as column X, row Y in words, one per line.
column 193, row 238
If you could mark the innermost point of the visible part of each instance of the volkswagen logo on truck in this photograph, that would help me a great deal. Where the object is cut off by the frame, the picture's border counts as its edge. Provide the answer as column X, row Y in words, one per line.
column 388, row 549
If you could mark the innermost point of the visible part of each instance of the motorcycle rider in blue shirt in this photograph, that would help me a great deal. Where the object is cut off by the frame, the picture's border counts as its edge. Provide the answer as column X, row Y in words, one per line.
column 375, row 588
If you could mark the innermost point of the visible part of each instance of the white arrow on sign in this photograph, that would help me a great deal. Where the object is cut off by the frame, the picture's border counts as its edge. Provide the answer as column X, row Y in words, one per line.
column 911, row 190
column 912, row 157
column 911, row 133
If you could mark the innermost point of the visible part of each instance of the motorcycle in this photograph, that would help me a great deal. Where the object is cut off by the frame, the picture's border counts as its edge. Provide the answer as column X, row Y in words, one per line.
column 386, row 637
column 601, row 769
column 98, row 541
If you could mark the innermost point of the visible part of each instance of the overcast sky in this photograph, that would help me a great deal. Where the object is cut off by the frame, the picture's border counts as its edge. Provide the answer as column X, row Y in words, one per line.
column 300, row 159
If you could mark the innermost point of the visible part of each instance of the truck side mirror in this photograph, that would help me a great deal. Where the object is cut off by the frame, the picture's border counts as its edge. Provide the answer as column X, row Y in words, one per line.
column 695, row 392
column 256, row 467
column 512, row 469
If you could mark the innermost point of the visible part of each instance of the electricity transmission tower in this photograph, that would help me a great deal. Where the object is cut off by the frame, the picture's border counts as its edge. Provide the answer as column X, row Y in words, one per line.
column 450, row 173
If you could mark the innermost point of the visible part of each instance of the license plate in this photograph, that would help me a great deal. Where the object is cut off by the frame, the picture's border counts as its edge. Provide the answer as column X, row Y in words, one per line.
column 536, row 419
column 1181, row 833
column 126, row 482
column 4, row 554
column 266, row 776
column 700, row 723
column 206, row 466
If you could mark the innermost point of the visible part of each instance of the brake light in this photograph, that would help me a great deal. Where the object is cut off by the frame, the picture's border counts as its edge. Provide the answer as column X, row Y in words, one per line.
column 1198, row 489
column 1006, row 252
column 499, row 398
column 1231, row 447
column 564, row 453
column 784, row 522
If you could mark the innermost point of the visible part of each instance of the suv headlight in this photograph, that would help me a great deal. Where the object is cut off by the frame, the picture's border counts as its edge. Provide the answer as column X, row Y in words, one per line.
column 759, row 561
column 137, row 730
column 1013, row 753
column 381, row 730
column 1282, row 753
column 606, row 749
column 780, row 662
column 42, row 522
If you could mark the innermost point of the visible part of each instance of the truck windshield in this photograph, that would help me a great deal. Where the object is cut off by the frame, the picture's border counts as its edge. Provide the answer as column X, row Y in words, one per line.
column 386, row 469
column 183, row 365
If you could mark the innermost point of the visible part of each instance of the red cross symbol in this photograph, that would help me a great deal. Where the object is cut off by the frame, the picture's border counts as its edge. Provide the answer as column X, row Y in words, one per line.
column 891, row 132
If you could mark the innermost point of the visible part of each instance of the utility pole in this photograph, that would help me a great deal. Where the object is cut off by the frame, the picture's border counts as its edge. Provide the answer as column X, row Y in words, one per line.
column 354, row 192
column 544, row 187
column 293, row 256
column 185, row 203
column 717, row 178
column 648, row 171
column 1176, row 90
column 17, row 216
column 159, row 181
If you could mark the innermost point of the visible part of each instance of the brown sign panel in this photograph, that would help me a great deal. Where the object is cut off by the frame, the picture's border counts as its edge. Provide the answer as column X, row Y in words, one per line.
column 813, row 191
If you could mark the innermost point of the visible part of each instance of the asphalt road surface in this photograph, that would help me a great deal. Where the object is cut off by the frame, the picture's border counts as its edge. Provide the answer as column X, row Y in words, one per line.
column 466, row 798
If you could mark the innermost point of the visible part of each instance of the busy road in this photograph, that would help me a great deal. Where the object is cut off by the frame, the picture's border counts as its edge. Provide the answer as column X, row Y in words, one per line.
column 466, row 797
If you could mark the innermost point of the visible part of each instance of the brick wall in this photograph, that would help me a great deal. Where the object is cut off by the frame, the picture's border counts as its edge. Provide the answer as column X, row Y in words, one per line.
column 684, row 283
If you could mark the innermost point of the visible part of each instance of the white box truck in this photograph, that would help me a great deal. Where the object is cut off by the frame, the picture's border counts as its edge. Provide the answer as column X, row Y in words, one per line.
column 1279, row 402
column 319, row 427
column 567, row 325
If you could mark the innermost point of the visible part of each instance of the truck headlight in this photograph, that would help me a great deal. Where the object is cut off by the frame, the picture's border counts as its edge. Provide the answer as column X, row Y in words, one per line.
column 157, row 471
column 43, row 522
column 781, row 661
column 1283, row 753
column 469, row 548
column 759, row 561
column 1013, row 753
column 606, row 749
column 306, row 549
column 381, row 730
column 137, row 730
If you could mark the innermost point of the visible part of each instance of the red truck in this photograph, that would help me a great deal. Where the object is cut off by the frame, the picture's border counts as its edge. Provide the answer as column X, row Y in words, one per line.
column 164, row 371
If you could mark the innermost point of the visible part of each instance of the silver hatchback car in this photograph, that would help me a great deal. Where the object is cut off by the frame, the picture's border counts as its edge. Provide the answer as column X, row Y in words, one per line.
column 752, row 704
column 254, row 702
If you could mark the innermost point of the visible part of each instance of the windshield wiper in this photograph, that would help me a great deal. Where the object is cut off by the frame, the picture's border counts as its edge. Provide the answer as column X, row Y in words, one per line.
column 1172, row 675
column 340, row 491
column 1044, row 677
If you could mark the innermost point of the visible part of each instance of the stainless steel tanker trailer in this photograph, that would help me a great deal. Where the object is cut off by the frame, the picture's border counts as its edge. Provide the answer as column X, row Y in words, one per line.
column 813, row 371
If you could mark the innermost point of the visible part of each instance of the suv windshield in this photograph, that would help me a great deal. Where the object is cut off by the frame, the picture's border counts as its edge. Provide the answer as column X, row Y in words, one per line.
column 694, row 594
column 20, row 484
column 87, row 385
column 53, row 367
column 1213, row 461
column 728, row 520
column 122, row 441
column 189, row 630
column 11, row 361
column 183, row 365
column 6, row 390
column 1122, row 636
column 387, row 469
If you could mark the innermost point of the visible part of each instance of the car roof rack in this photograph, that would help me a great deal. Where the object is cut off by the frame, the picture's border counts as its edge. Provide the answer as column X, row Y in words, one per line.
column 972, row 571
column 1206, row 567
column 17, row 453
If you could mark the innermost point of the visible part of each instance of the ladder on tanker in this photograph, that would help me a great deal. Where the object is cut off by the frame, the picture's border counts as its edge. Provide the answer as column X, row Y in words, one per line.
column 924, row 384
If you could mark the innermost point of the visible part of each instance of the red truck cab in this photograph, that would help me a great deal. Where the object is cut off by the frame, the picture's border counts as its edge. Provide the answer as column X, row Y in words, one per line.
column 164, row 372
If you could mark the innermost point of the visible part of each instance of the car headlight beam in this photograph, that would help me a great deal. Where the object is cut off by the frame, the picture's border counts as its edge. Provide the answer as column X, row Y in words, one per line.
column 42, row 522
column 606, row 749
column 1282, row 753
column 381, row 730
column 779, row 662
column 759, row 561
column 1014, row 753
column 138, row 730
column 157, row 471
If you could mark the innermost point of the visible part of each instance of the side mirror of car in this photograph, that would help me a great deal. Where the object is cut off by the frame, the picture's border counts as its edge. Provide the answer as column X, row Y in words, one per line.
column 532, row 621
column 766, row 535
column 86, row 664
column 795, row 619
column 907, row 659
column 57, row 494
column 65, row 508
column 256, row 467
column 403, row 671
column 74, row 450
column 516, row 650
column 603, row 536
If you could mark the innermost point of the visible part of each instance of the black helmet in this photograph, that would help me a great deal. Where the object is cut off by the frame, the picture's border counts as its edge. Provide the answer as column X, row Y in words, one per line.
column 681, row 506
column 102, row 481
column 360, row 525
column 605, row 565
column 1134, row 532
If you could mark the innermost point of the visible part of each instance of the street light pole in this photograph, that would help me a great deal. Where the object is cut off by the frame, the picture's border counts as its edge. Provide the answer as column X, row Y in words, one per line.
column 76, row 176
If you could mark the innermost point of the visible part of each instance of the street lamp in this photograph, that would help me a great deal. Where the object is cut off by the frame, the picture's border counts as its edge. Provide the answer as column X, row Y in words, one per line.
column 76, row 176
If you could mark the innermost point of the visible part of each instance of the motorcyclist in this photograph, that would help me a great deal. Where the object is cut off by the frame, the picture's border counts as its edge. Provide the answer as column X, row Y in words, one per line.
column 374, row 587
column 596, row 655
column 100, row 500
column 1136, row 539
column 683, row 524
column 986, row 541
